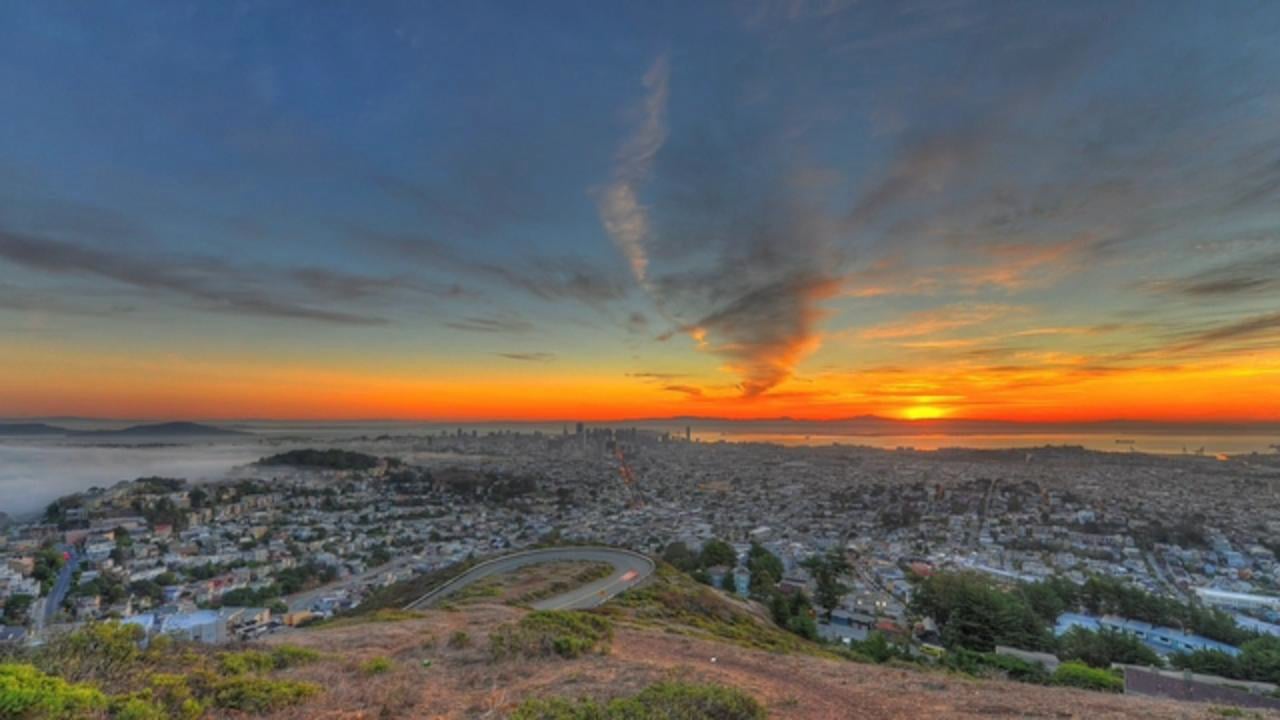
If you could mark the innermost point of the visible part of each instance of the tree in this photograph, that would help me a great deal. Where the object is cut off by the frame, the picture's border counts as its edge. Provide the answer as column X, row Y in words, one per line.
column 976, row 614
column 765, row 568
column 827, row 571
column 1106, row 646
column 717, row 552
column 197, row 497
column 680, row 556
column 1051, row 597
column 17, row 609
column 1259, row 659
column 729, row 583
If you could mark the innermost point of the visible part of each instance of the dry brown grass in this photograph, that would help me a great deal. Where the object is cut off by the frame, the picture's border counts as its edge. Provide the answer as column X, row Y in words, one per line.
column 530, row 583
column 463, row 683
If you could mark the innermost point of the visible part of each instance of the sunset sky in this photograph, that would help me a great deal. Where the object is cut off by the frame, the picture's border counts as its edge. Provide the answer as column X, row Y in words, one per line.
column 597, row 210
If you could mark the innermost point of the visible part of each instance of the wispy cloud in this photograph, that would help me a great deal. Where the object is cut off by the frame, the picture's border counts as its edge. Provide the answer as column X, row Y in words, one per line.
column 689, row 390
column 491, row 324
column 624, row 217
column 550, row 278
column 528, row 356
column 209, row 283
column 1251, row 275
column 929, row 322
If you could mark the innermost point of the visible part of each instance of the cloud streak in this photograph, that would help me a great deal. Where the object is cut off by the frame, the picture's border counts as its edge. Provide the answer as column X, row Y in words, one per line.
column 210, row 284
column 528, row 356
column 624, row 217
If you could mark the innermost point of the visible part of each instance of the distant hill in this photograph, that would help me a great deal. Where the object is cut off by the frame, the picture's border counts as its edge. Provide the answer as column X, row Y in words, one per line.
column 328, row 459
column 168, row 429
column 31, row 429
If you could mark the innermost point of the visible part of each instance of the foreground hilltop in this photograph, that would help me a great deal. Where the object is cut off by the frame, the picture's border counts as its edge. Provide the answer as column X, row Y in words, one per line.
column 464, row 681
column 670, row 648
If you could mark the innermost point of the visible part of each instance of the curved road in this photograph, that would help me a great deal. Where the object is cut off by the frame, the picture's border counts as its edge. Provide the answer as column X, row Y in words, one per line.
column 629, row 569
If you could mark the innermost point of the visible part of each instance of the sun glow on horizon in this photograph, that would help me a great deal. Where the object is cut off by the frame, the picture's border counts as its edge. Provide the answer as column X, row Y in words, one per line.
column 924, row 412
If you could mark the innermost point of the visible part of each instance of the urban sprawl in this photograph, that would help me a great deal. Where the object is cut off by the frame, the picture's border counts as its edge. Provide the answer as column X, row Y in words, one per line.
column 309, row 533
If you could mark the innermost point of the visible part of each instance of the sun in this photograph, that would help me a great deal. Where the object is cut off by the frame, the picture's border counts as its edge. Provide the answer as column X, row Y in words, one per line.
column 923, row 412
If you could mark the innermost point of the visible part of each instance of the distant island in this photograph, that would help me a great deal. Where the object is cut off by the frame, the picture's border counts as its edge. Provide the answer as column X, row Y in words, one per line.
column 167, row 429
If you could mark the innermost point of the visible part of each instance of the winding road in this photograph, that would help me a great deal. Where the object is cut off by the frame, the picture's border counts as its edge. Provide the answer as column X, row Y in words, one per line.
column 629, row 569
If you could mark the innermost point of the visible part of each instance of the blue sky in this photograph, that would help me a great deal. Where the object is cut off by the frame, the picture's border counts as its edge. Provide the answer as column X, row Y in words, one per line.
column 772, row 205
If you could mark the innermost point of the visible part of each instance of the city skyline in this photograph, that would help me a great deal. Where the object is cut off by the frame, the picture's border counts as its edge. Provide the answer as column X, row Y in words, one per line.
column 1030, row 212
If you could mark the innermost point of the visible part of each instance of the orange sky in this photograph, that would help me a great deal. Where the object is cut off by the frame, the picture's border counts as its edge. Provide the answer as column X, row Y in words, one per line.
column 125, row 387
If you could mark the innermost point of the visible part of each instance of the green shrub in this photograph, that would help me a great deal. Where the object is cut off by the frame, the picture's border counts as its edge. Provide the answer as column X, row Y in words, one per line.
column 175, row 695
column 244, row 661
column 137, row 708
column 1079, row 675
column 376, row 666
column 25, row 692
column 106, row 654
column 260, row 695
column 664, row 701
column 287, row 656
column 261, row 661
column 565, row 633
column 459, row 640
column 995, row 665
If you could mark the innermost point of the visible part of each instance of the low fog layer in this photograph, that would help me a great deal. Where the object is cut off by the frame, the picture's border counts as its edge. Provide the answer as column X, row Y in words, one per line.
column 33, row 475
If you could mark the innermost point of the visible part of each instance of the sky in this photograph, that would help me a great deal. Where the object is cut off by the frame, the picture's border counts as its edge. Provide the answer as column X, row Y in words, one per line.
column 595, row 210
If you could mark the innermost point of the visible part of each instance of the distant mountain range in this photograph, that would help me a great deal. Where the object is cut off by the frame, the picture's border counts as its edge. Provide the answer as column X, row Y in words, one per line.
column 168, row 429
column 872, row 425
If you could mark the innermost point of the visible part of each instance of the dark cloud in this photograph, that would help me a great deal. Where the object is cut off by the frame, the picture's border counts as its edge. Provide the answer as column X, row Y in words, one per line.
column 656, row 376
column 209, row 283
column 1247, row 276
column 342, row 286
column 528, row 356
column 637, row 322
column 1250, row 328
column 690, row 390
column 734, row 248
column 491, row 324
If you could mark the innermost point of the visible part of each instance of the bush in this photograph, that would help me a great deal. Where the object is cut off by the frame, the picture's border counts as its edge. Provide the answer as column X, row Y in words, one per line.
column 376, row 666
column 261, row 661
column 105, row 653
column 459, row 640
column 137, row 708
column 25, row 692
column 287, row 656
column 1079, row 675
column 175, row 696
column 664, row 701
column 995, row 665
column 260, row 695
column 245, row 661
column 564, row 633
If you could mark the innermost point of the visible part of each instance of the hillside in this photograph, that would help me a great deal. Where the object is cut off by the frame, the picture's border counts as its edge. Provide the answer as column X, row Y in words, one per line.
column 671, row 647
column 671, row 628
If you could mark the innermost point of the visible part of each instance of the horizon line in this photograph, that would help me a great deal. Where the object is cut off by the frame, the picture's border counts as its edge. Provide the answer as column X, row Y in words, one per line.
column 671, row 418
